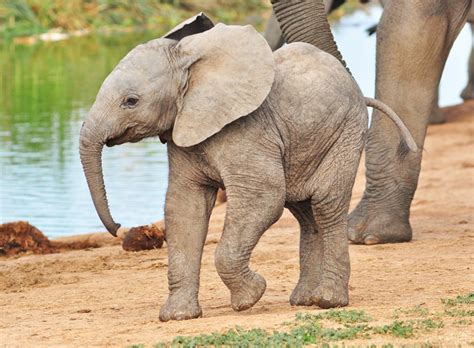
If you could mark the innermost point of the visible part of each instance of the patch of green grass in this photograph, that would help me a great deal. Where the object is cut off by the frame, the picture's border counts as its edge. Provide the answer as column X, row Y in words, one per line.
column 429, row 324
column 457, row 312
column 338, row 316
column 417, row 311
column 310, row 329
column 463, row 322
column 459, row 300
column 303, row 330
column 397, row 328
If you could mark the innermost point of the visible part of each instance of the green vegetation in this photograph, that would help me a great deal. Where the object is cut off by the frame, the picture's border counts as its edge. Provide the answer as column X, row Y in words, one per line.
column 338, row 316
column 456, row 307
column 305, row 329
column 326, row 328
column 459, row 300
column 310, row 329
column 417, row 311
column 28, row 17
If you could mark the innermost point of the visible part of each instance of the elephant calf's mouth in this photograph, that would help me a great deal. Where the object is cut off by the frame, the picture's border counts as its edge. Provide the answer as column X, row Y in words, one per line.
column 125, row 137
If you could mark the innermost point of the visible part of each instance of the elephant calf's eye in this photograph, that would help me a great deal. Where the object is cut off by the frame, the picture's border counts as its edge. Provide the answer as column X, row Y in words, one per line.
column 130, row 102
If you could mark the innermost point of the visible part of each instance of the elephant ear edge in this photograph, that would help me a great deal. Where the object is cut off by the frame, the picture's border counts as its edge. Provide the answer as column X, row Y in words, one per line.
column 194, row 25
column 231, row 73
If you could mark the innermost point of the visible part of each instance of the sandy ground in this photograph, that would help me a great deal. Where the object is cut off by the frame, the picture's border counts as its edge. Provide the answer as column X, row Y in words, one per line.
column 106, row 296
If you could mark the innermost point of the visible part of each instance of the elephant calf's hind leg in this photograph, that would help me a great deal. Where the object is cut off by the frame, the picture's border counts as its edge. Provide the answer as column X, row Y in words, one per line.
column 248, row 216
column 310, row 255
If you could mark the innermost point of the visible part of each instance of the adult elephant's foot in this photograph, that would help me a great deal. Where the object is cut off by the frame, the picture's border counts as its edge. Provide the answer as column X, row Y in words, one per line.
column 249, row 291
column 437, row 116
column 369, row 225
column 468, row 92
column 180, row 307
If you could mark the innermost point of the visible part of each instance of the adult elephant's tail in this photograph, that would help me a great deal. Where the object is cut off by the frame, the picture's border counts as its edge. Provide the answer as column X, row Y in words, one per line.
column 406, row 135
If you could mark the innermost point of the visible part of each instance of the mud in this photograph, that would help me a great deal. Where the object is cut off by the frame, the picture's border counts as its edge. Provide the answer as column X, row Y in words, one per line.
column 144, row 238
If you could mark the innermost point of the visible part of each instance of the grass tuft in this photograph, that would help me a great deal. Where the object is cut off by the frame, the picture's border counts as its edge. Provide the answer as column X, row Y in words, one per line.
column 459, row 300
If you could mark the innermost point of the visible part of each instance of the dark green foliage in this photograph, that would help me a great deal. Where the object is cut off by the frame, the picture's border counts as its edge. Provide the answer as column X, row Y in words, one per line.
column 27, row 17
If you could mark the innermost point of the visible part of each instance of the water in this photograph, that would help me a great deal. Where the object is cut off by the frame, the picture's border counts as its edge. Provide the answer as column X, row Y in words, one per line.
column 45, row 92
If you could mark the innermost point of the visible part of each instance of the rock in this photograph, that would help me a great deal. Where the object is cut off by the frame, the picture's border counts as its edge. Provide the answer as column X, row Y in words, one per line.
column 20, row 236
column 144, row 238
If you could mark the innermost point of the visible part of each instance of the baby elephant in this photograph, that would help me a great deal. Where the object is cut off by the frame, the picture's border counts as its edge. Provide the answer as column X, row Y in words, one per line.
column 283, row 129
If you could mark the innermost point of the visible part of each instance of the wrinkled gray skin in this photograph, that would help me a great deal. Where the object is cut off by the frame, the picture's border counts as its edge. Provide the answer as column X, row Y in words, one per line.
column 275, row 129
column 275, row 39
column 414, row 38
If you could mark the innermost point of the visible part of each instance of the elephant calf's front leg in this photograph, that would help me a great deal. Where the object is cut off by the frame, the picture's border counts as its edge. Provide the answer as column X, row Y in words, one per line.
column 188, row 208
column 249, row 214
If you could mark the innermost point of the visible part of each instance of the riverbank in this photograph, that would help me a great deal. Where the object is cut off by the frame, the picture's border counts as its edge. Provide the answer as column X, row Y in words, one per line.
column 58, row 19
column 105, row 296
column 27, row 22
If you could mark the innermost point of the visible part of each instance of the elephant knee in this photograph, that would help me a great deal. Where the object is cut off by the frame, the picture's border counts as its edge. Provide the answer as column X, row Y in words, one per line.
column 228, row 264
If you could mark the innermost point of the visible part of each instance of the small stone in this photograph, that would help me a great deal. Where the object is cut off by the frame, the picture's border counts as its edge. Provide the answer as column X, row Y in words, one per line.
column 84, row 311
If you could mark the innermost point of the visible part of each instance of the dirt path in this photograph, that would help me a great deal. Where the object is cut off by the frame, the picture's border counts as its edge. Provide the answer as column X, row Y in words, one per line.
column 106, row 296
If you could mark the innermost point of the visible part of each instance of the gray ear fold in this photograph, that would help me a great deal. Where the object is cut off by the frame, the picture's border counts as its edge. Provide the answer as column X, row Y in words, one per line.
column 231, row 73
column 194, row 25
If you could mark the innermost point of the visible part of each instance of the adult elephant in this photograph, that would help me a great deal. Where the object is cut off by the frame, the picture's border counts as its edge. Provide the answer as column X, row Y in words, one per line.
column 275, row 39
column 414, row 38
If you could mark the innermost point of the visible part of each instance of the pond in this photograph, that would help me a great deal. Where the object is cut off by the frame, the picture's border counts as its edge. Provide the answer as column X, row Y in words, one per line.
column 45, row 92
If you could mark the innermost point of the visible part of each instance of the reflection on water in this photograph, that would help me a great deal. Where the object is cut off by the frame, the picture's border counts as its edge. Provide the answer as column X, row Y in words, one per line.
column 45, row 91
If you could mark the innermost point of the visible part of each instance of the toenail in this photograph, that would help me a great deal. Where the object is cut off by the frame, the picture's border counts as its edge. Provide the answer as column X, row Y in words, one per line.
column 370, row 240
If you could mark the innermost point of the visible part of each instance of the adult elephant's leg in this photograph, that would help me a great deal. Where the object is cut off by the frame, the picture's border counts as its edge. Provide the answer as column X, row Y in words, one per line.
column 413, row 42
column 254, row 203
column 468, row 92
column 311, row 254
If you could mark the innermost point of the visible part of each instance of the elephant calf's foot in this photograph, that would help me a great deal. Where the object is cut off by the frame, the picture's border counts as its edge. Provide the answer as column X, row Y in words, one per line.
column 331, row 293
column 328, row 294
column 249, row 291
column 302, row 294
column 180, row 307
column 371, row 226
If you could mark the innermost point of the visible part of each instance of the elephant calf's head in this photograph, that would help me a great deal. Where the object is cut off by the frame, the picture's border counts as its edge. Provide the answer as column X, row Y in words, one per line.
column 189, row 84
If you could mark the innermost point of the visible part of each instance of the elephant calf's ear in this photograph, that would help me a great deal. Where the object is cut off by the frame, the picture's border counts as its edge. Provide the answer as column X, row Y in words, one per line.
column 194, row 25
column 232, row 74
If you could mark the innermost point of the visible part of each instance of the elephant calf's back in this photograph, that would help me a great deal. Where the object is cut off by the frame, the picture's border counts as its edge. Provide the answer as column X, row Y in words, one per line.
column 313, row 89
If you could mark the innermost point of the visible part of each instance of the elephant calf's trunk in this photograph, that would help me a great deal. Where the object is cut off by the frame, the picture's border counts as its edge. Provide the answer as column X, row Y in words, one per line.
column 91, row 159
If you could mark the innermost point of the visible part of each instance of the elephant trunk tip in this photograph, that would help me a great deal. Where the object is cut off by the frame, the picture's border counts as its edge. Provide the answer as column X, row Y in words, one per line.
column 113, row 229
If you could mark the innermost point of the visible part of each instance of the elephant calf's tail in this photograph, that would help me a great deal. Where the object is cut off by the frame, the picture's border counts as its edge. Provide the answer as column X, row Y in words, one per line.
column 406, row 135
